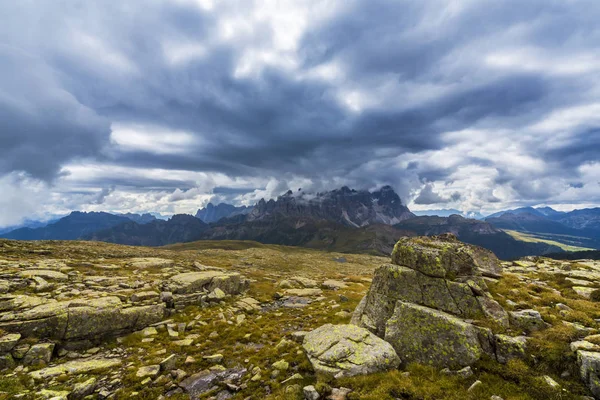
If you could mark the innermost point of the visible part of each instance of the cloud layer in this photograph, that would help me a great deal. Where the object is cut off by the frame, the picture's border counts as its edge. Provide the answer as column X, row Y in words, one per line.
column 165, row 105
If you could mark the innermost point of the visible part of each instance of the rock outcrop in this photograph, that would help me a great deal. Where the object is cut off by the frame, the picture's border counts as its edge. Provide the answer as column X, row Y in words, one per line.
column 85, row 309
column 347, row 350
column 424, row 302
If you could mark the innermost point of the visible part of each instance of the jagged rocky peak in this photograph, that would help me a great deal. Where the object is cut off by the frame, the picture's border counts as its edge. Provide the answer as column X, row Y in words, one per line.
column 344, row 205
column 212, row 213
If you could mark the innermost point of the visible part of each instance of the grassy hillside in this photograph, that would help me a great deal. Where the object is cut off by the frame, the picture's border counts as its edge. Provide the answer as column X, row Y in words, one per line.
column 534, row 238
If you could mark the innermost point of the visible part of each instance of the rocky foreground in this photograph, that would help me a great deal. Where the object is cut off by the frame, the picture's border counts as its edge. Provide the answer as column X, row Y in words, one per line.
column 240, row 320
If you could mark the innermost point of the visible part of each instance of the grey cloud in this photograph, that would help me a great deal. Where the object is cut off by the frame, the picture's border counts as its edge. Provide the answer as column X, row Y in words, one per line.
column 428, row 196
column 41, row 125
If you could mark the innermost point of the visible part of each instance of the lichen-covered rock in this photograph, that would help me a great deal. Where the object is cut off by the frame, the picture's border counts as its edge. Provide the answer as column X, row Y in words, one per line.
column 82, row 389
column 6, row 361
column 510, row 347
column 527, row 320
column 46, row 274
column 80, row 319
column 347, row 350
column 432, row 337
column 424, row 303
column 8, row 342
column 75, row 368
column 39, row 354
column 589, row 368
column 445, row 257
column 394, row 282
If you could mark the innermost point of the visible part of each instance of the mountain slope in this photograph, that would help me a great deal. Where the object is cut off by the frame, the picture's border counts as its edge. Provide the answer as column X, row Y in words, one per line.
column 178, row 229
column 71, row 227
column 476, row 232
column 310, row 232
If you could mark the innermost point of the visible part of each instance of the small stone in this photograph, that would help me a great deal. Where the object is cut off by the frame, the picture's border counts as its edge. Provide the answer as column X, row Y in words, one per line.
column 80, row 390
column 294, row 377
column 466, row 372
column 149, row 370
column 39, row 354
column 150, row 331
column 298, row 336
column 213, row 335
column 8, row 342
column 183, row 342
column 310, row 393
column 189, row 360
column 474, row 386
column 281, row 365
column 215, row 358
column 216, row 295
column 551, row 382
column 168, row 363
column 527, row 320
column 173, row 334
column 339, row 393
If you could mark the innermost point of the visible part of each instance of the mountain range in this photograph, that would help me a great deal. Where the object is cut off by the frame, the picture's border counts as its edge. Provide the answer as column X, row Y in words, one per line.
column 344, row 220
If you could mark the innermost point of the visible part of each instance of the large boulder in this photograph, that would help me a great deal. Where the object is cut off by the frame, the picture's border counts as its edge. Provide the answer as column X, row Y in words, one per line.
column 347, row 350
column 445, row 257
column 424, row 302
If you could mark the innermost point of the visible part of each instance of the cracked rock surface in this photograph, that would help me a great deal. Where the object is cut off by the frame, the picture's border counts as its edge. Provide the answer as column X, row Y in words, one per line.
column 347, row 350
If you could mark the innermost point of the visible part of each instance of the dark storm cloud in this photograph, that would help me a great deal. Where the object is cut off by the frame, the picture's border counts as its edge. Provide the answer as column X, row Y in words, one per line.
column 41, row 125
column 420, row 68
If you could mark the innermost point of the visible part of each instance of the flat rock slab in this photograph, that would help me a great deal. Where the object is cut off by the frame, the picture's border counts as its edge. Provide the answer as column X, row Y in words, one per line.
column 192, row 282
column 584, row 291
column 44, row 273
column 303, row 292
column 347, row 350
column 149, row 262
column 76, row 367
column 334, row 285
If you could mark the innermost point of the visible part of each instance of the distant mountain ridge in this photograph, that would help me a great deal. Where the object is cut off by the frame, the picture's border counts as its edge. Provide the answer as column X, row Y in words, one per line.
column 578, row 227
column 179, row 228
column 71, row 227
column 212, row 213
column 343, row 219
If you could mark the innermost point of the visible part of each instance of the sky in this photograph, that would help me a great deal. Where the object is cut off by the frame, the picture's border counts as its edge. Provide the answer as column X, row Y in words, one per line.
column 163, row 106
